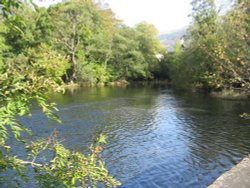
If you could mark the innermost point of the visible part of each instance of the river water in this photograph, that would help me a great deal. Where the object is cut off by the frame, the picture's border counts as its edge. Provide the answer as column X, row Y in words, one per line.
column 156, row 137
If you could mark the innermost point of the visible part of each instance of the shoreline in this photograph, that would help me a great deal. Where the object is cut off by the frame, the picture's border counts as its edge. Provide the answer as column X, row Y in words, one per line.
column 232, row 94
column 226, row 94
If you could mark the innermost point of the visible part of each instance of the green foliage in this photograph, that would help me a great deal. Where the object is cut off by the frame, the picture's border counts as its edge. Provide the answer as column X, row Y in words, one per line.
column 215, row 56
column 8, row 5
column 23, row 82
column 75, row 40
column 51, row 62
column 20, row 33
column 20, row 83
column 3, row 46
column 99, row 46
column 93, row 41
column 126, row 59
column 76, row 23
column 92, row 73
column 135, row 50
column 30, row 69
column 68, row 168
column 150, row 47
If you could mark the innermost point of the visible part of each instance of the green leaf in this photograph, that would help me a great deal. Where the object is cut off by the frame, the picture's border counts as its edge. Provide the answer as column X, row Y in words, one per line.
column 102, row 139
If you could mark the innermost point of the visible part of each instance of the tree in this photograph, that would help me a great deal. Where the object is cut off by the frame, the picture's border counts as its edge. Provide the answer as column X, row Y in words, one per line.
column 135, row 50
column 27, row 77
column 216, row 57
column 127, row 59
column 47, row 59
column 99, row 47
column 28, row 30
column 84, row 31
column 150, row 47
column 196, row 63
column 234, row 47
column 73, row 26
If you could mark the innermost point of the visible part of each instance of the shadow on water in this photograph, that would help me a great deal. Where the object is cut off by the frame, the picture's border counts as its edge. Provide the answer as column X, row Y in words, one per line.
column 156, row 137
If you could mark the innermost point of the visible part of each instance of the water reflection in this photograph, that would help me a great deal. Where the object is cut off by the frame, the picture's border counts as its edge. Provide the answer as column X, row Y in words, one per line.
column 157, row 138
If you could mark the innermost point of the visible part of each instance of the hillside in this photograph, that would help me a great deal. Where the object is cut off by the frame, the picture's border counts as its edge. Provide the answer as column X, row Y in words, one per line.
column 169, row 39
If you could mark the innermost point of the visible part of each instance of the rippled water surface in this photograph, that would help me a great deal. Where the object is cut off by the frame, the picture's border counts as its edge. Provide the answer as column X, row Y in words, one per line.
column 156, row 137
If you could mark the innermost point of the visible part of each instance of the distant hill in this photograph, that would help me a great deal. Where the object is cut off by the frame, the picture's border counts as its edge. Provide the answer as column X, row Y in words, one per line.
column 169, row 39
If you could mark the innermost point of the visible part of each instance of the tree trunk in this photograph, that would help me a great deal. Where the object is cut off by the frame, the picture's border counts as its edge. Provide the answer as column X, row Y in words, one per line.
column 73, row 59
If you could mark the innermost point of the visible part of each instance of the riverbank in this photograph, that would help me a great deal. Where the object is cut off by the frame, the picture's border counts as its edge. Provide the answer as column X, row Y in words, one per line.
column 238, row 176
column 118, row 83
column 227, row 94
column 232, row 94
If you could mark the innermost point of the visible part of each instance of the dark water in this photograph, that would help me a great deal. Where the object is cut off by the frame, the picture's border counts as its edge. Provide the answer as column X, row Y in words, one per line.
column 156, row 137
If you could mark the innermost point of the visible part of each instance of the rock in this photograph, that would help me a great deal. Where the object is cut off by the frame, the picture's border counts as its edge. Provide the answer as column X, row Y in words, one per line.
column 231, row 95
column 121, row 83
column 237, row 177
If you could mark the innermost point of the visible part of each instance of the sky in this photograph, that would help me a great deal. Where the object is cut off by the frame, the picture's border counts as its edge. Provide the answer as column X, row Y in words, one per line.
column 166, row 15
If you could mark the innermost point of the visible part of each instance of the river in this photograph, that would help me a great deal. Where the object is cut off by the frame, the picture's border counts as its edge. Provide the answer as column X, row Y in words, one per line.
column 156, row 137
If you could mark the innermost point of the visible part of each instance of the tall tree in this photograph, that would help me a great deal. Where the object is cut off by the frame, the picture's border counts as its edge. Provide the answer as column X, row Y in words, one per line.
column 215, row 56
column 74, row 23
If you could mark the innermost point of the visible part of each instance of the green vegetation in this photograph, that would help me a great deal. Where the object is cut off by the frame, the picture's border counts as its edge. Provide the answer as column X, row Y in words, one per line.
column 134, row 57
column 216, row 51
column 31, row 66
column 79, row 41
column 41, row 50
column 85, row 42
